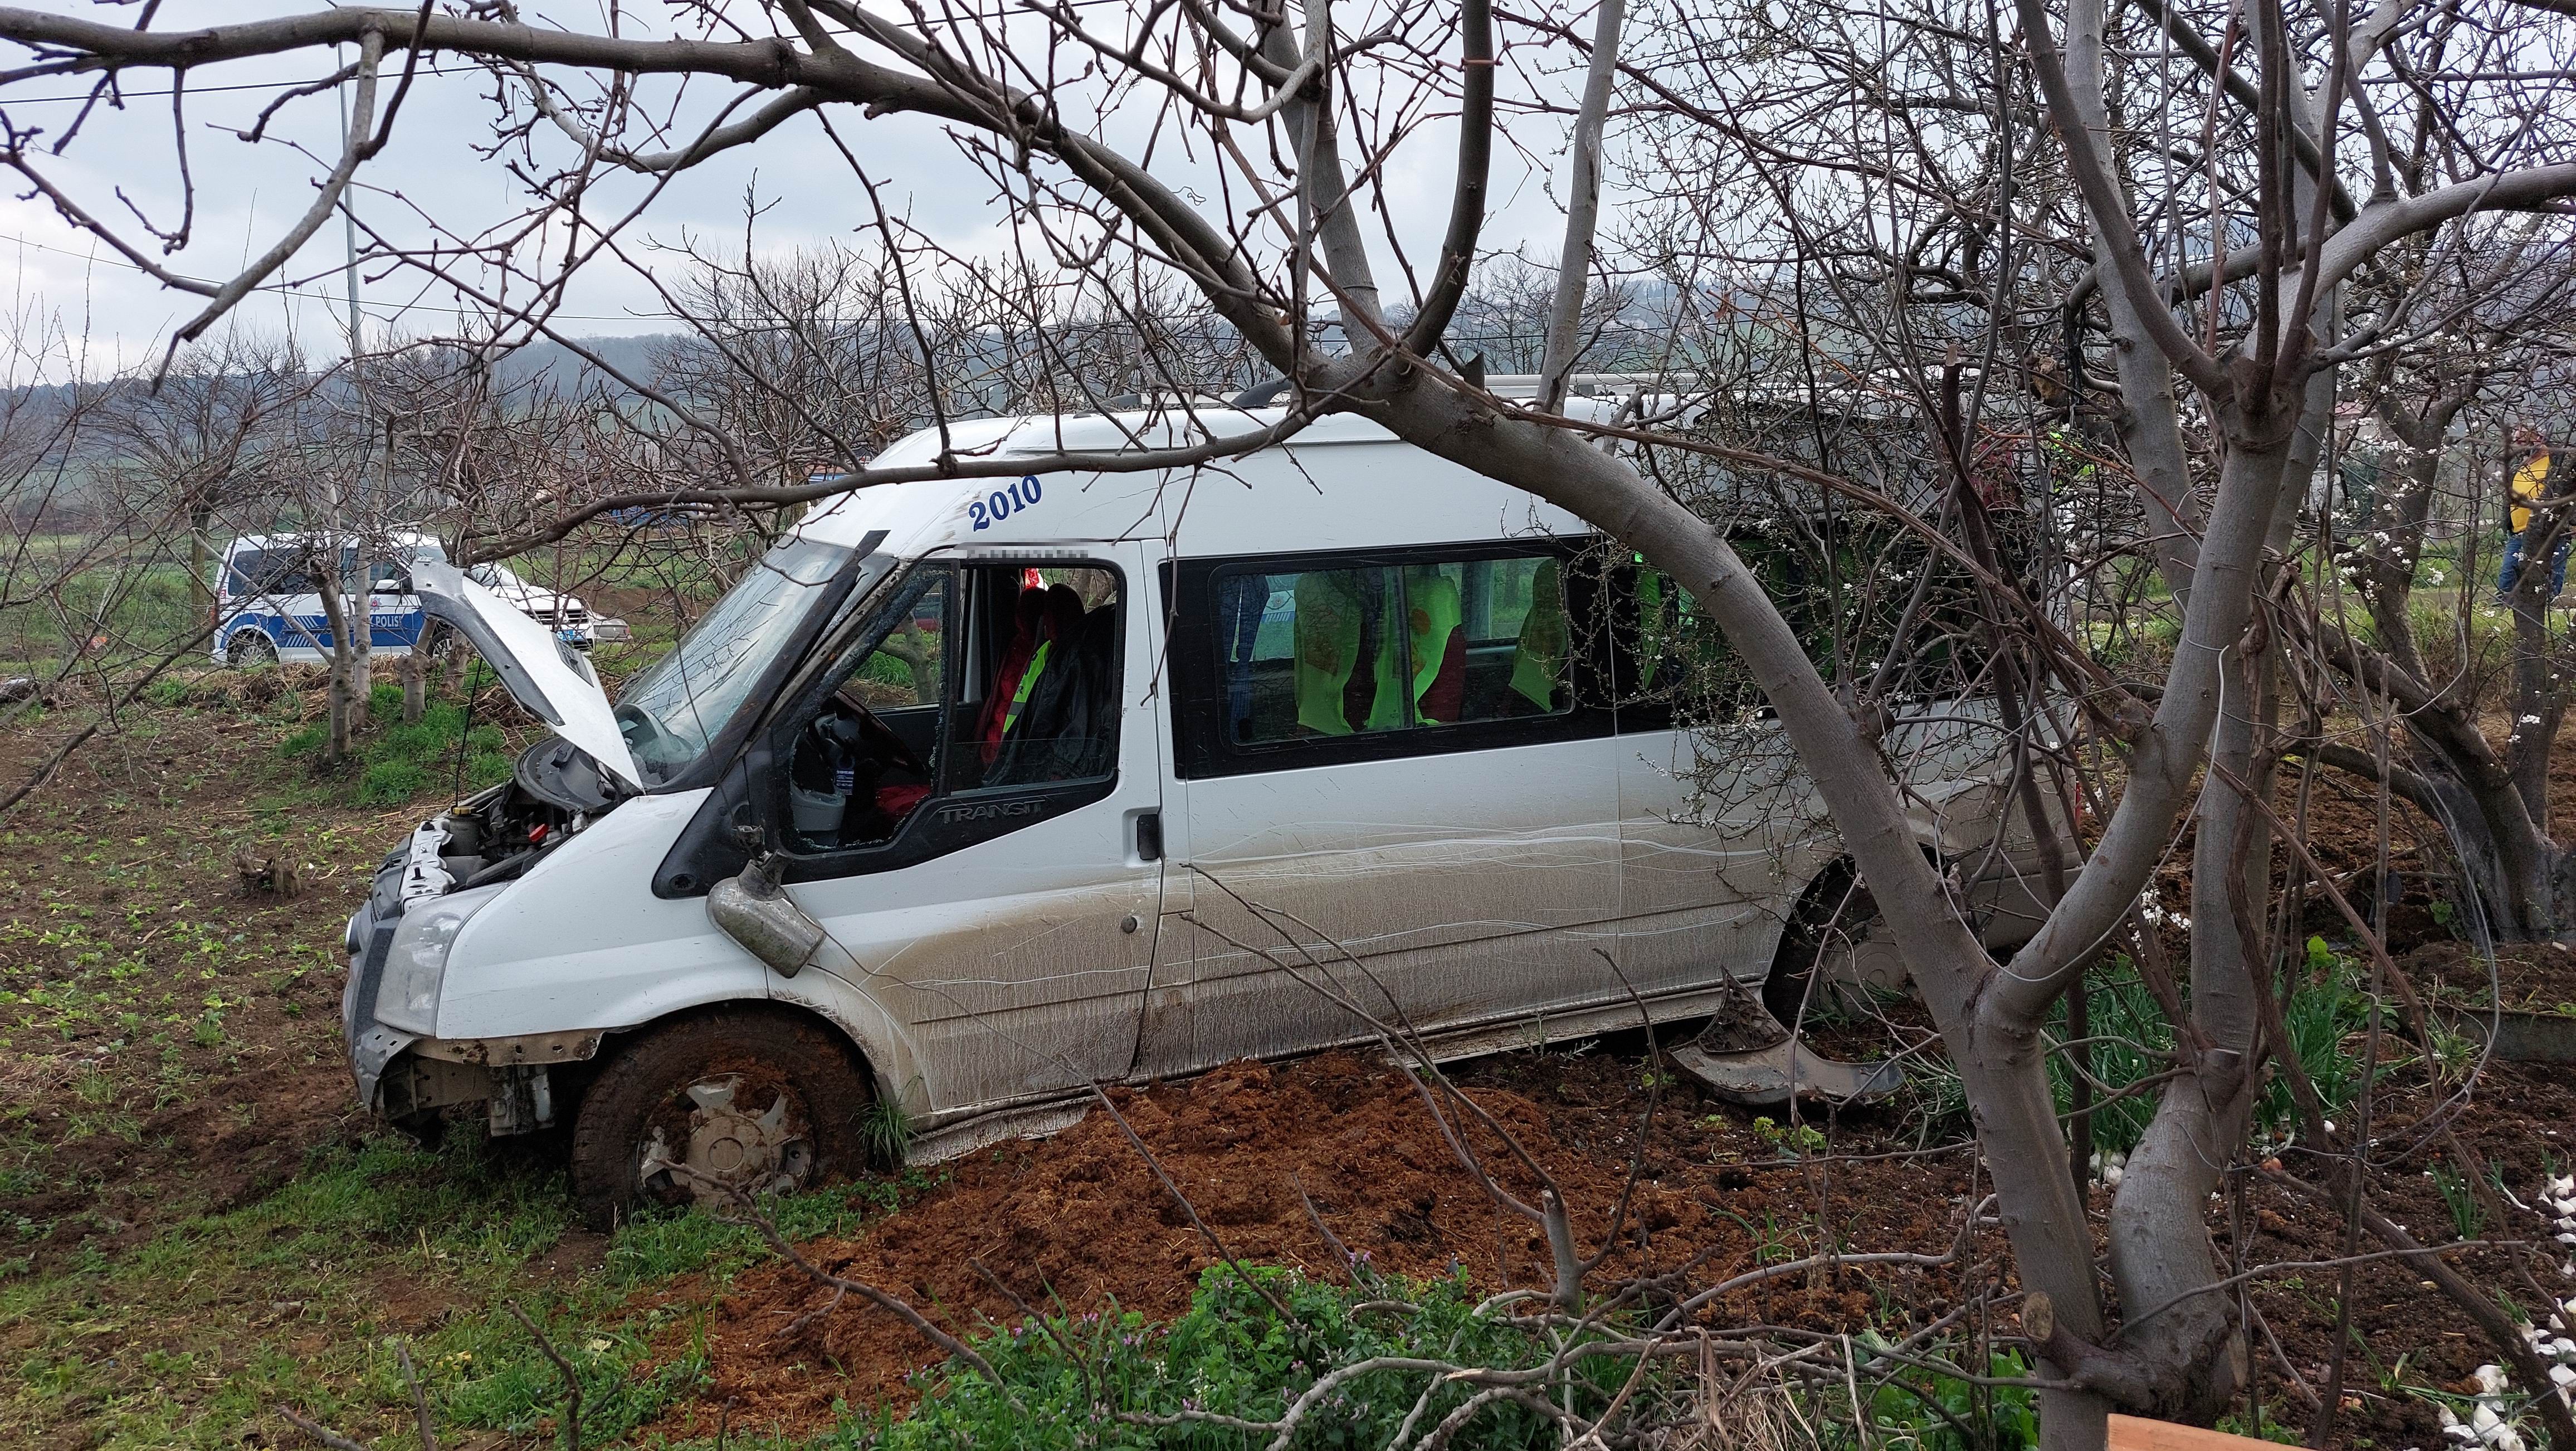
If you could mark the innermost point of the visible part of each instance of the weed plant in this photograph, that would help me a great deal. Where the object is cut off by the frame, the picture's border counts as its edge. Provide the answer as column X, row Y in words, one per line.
column 1232, row 1355
column 1932, row 1410
column 396, row 761
column 2130, row 1041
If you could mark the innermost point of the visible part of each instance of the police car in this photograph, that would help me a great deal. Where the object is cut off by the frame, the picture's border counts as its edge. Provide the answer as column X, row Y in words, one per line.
column 268, row 603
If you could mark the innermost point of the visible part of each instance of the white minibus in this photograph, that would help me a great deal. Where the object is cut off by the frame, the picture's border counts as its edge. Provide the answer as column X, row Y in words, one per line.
column 972, row 794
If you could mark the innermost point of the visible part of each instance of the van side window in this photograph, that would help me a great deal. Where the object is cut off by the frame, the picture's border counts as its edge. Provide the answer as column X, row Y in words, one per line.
column 971, row 680
column 1334, row 652
column 1038, row 697
column 1309, row 660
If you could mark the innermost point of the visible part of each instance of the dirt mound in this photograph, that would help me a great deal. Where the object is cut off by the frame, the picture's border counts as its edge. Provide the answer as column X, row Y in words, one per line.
column 1081, row 1220
column 2528, row 976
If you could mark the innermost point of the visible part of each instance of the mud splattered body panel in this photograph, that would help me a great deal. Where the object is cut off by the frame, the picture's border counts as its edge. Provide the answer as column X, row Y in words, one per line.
column 1468, row 887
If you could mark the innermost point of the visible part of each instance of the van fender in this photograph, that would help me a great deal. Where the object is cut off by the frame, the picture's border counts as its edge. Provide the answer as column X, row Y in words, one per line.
column 892, row 1057
column 531, row 996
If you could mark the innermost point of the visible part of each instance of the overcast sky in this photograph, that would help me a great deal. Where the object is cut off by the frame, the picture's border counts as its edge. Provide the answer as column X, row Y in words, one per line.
column 431, row 174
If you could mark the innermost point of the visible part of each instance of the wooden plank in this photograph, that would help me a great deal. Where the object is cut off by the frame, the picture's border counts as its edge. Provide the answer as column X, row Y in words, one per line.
column 2136, row 1433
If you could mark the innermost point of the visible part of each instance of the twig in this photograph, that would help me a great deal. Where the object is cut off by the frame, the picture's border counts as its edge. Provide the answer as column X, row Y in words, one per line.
column 321, row 1435
column 563, row 1367
column 419, row 1397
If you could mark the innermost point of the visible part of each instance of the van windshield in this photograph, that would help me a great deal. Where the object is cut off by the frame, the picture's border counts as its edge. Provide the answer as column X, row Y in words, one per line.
column 672, row 710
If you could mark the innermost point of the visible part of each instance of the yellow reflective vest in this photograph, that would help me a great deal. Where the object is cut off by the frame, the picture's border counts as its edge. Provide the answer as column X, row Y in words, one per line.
column 2529, row 483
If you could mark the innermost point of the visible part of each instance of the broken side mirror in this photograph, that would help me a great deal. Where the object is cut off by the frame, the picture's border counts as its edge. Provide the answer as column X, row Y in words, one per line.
column 754, row 910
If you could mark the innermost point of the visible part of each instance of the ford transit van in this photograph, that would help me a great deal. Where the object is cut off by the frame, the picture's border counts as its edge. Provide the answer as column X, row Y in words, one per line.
column 972, row 794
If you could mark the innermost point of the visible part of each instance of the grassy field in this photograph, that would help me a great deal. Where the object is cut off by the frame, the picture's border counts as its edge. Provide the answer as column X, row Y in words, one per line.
column 198, row 1227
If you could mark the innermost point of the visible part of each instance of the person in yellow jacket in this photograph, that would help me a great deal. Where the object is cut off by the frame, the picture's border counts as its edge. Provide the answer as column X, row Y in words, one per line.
column 2531, row 482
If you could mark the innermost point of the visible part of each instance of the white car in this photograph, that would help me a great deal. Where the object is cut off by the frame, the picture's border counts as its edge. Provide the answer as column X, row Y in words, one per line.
column 570, row 619
column 971, row 794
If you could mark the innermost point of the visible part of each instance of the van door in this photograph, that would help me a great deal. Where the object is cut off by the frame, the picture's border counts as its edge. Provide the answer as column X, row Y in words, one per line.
column 964, row 804
column 393, row 609
column 1396, row 805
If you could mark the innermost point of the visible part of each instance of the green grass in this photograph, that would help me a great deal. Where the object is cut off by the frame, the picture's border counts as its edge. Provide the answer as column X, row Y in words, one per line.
column 190, row 1337
column 2132, row 1042
column 396, row 761
column 1231, row 1354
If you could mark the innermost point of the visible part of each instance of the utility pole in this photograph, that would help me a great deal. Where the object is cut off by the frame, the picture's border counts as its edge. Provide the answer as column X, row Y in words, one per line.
column 362, row 617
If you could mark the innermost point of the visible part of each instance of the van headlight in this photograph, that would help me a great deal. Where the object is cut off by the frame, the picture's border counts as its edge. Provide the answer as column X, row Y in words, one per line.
column 416, row 965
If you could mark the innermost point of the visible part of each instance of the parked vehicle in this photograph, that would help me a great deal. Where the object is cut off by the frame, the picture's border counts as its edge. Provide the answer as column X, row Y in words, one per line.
column 268, row 603
column 570, row 619
column 969, row 795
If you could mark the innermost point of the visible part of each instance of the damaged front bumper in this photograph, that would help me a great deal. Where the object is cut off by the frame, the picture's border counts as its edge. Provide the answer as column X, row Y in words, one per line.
column 401, row 1071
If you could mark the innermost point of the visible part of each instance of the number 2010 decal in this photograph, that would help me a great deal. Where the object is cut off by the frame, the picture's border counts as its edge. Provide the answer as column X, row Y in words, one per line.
column 1001, row 504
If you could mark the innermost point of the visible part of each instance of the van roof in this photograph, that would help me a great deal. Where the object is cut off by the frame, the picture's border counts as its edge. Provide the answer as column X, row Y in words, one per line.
column 404, row 538
column 1310, row 493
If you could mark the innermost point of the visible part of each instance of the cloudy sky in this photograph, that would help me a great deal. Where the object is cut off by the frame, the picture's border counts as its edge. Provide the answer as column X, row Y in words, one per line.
column 433, row 178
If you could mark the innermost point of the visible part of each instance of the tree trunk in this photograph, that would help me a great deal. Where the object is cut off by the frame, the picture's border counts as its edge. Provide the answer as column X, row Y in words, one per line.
column 2487, row 809
column 1989, row 1020
column 337, row 694
column 201, row 592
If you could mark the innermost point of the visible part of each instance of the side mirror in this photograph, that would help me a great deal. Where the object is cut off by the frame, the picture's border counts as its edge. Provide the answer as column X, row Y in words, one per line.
column 753, row 911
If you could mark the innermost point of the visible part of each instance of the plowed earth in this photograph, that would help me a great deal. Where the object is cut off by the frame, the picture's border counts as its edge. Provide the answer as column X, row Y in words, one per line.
column 1303, row 1165
column 1081, row 1222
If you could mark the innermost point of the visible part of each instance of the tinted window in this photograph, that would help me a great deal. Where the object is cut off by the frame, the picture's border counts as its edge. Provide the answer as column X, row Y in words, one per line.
column 1302, row 661
column 268, row 572
column 1333, row 652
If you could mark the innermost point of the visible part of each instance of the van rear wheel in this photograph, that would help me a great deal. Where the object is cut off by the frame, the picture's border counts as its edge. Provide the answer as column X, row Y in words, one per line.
column 1836, row 943
column 739, row 1102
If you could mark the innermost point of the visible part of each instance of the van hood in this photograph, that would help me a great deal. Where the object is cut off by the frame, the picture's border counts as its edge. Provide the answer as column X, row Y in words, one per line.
column 544, row 674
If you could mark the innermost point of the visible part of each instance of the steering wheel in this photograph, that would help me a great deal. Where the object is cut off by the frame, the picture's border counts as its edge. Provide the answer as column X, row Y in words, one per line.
column 896, row 748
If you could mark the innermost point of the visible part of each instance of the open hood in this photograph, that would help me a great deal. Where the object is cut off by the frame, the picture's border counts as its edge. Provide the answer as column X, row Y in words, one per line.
column 549, row 677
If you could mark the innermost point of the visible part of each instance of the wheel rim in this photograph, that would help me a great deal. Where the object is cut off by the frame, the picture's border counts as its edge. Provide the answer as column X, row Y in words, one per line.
column 251, row 650
column 726, row 1135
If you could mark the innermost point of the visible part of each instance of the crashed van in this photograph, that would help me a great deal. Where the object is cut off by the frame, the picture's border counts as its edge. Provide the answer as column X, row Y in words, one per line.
column 972, row 794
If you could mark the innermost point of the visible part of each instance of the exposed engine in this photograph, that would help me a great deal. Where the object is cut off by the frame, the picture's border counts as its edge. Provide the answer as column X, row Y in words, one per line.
column 554, row 791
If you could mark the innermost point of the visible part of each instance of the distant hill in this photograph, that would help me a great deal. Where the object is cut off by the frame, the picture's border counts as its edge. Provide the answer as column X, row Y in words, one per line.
column 632, row 356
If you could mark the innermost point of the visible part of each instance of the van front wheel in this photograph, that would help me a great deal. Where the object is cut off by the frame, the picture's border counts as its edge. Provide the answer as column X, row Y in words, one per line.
column 715, row 1107
column 248, row 650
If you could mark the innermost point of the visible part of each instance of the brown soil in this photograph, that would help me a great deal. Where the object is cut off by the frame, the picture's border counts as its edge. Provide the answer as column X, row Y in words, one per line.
column 2528, row 977
column 1082, row 1220
column 169, row 1038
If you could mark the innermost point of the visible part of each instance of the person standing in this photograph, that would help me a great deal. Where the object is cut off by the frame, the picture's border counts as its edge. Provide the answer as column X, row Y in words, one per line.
column 2531, row 482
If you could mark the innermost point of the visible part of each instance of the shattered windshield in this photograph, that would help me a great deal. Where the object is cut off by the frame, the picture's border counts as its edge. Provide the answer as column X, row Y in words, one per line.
column 672, row 710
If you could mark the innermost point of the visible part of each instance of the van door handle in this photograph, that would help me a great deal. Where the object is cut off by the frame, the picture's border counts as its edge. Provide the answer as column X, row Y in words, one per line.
column 1149, row 836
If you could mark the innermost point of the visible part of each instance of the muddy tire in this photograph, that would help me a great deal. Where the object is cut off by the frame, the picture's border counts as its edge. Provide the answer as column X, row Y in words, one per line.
column 1835, row 941
column 754, row 1100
